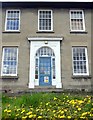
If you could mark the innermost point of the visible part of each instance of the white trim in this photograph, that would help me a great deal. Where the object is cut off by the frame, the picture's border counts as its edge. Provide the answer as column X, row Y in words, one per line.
column 45, row 39
column 79, row 74
column 6, row 20
column 3, row 60
column 51, row 19
column 82, row 18
column 34, row 46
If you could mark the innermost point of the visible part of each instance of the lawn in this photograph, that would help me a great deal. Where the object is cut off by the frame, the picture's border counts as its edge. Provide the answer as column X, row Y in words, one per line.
column 46, row 106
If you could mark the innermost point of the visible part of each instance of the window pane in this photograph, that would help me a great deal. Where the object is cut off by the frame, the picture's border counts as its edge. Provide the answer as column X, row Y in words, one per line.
column 9, row 60
column 79, row 60
column 77, row 20
column 36, row 69
column 45, row 19
column 53, row 65
column 12, row 22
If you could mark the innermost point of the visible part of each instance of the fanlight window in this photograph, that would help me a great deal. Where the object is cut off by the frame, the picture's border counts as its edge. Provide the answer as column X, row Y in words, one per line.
column 45, row 51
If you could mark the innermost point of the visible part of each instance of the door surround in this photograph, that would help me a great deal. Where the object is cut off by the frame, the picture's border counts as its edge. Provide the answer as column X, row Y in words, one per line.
column 54, row 44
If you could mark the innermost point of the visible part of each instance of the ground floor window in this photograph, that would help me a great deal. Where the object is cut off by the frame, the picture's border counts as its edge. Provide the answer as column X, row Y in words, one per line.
column 9, row 61
column 80, row 61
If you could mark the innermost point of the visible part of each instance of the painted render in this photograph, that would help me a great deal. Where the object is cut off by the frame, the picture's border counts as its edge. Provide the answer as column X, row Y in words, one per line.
column 27, row 48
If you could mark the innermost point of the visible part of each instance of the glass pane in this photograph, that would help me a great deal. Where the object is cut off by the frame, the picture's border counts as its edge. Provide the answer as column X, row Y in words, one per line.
column 9, row 61
column 12, row 20
column 79, row 60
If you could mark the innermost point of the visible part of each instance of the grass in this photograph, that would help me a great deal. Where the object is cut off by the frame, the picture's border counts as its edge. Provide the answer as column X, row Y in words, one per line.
column 47, row 106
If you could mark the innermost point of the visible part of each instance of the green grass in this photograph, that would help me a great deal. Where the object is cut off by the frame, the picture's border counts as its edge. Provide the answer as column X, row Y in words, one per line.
column 47, row 106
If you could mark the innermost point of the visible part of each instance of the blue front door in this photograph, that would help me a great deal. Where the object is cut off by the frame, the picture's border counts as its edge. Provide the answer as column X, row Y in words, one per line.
column 45, row 71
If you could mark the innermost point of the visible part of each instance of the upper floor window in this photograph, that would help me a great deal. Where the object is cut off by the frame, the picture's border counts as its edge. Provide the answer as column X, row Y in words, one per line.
column 80, row 61
column 12, row 20
column 45, row 20
column 9, row 61
column 77, row 20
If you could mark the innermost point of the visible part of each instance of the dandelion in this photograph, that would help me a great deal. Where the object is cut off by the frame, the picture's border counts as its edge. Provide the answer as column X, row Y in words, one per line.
column 29, row 113
column 5, row 110
column 79, row 109
column 39, row 116
column 54, row 111
column 30, row 116
column 62, row 116
column 82, row 117
column 23, row 111
column 18, row 109
column 75, row 111
column 55, row 98
column 62, row 112
column 68, row 117
column 8, row 111
column 17, row 115
column 47, row 103
column 24, row 117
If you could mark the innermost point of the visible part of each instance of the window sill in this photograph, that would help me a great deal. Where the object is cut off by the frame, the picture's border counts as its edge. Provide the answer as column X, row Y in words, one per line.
column 45, row 32
column 78, row 32
column 81, row 76
column 11, row 32
column 10, row 77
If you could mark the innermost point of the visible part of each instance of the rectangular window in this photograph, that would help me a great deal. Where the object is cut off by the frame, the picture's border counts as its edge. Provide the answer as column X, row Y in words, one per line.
column 77, row 20
column 9, row 61
column 36, row 68
column 45, row 20
column 53, row 66
column 12, row 20
column 80, row 61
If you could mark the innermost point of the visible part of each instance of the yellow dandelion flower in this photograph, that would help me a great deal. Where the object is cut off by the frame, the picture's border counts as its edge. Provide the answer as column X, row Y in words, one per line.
column 54, row 111
column 79, row 109
column 39, row 116
column 5, row 110
column 23, row 111
column 75, row 111
column 82, row 117
column 8, row 111
column 30, row 116
column 24, row 117
column 62, row 112
column 29, row 113
column 84, row 113
column 18, row 109
column 65, row 110
column 17, row 115
column 68, row 117
column 47, row 103
column 55, row 98
column 62, row 116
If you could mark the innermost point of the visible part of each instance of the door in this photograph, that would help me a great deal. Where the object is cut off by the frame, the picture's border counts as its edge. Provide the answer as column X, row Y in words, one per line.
column 45, row 71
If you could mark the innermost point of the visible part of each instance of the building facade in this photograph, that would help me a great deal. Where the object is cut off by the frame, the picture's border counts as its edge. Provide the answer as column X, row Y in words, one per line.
column 46, row 45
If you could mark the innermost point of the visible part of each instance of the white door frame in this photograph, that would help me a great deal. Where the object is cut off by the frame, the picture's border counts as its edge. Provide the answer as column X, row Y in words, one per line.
column 35, row 44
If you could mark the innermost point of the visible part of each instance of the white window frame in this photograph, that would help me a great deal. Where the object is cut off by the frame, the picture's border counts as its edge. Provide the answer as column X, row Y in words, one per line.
column 2, row 74
column 6, row 20
column 87, row 69
column 73, row 10
column 51, row 19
